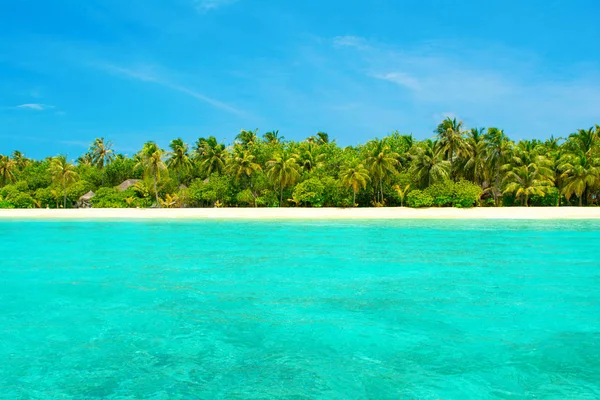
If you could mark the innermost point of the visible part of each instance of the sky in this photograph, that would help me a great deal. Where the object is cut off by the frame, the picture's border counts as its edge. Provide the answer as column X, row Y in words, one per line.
column 138, row 70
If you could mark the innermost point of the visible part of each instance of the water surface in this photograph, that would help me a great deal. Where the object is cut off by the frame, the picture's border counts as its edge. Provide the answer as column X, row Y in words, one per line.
column 333, row 310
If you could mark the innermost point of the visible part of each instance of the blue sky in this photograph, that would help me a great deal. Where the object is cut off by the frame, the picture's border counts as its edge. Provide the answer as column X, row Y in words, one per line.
column 137, row 70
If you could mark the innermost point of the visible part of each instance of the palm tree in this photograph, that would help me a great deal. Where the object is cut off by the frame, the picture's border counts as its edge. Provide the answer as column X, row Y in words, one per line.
column 211, row 154
column 152, row 162
column 528, row 180
column 580, row 174
column 273, row 137
column 382, row 162
column 102, row 154
column 242, row 165
column 585, row 140
column 498, row 151
column 7, row 170
column 475, row 156
column 428, row 164
column 63, row 174
column 179, row 159
column 355, row 175
column 282, row 170
column 20, row 160
column 246, row 138
column 308, row 157
column 401, row 192
column 451, row 140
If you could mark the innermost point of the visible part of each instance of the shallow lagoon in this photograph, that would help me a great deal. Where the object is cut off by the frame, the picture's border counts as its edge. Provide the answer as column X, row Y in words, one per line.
column 220, row 309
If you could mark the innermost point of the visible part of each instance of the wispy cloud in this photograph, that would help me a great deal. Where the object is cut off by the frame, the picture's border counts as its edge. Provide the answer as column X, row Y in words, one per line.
column 351, row 41
column 149, row 73
column 494, row 85
column 208, row 5
column 400, row 78
column 35, row 106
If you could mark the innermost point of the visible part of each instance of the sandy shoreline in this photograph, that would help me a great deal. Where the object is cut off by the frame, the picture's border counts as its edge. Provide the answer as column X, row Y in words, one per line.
column 309, row 213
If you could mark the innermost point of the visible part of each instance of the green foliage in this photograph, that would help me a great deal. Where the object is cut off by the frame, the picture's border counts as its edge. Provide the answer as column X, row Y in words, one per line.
column 419, row 199
column 6, row 204
column 21, row 200
column 112, row 198
column 462, row 194
column 45, row 197
column 214, row 188
column 466, row 194
column 550, row 199
column 309, row 193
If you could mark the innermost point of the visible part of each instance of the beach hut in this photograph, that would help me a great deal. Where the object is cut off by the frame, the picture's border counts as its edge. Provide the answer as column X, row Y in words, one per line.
column 85, row 201
column 127, row 184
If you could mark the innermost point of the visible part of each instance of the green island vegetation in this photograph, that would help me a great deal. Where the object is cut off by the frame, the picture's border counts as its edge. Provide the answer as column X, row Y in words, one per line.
column 457, row 168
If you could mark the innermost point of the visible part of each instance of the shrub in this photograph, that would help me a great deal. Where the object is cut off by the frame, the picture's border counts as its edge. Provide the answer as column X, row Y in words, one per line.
column 22, row 200
column 45, row 197
column 419, row 199
column 442, row 193
column 549, row 200
column 310, row 193
column 466, row 194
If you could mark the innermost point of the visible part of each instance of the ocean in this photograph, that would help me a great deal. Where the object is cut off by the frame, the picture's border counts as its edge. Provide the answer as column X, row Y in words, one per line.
column 405, row 309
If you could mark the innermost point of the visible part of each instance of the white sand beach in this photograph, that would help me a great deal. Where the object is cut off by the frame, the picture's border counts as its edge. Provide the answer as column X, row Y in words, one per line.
column 308, row 213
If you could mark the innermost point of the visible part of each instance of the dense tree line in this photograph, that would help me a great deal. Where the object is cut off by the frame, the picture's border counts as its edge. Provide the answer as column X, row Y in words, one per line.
column 457, row 167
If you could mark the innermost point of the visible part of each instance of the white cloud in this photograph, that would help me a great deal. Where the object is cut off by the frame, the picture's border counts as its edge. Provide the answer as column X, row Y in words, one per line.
column 149, row 73
column 208, row 5
column 401, row 79
column 350, row 41
column 35, row 106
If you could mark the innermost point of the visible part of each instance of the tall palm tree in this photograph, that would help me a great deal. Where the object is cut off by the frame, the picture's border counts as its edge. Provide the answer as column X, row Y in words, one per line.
column 179, row 159
column 246, row 138
column 580, row 174
column 102, row 154
column 8, row 167
column 63, row 174
column 475, row 156
column 382, row 162
column 151, row 160
column 498, row 152
column 585, row 140
column 528, row 180
column 355, row 175
column 309, row 157
column 243, row 165
column 282, row 171
column 20, row 160
column 273, row 137
column 451, row 140
column 428, row 164
column 211, row 154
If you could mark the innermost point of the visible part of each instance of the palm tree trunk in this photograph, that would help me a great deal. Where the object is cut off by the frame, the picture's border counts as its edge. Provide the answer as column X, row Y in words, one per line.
column 581, row 200
column 280, row 194
column 354, row 198
column 156, row 193
column 381, row 189
column 65, row 198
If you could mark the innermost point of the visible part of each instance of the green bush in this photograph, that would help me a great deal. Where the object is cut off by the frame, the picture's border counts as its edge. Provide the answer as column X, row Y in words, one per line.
column 442, row 193
column 6, row 204
column 419, row 199
column 45, row 197
column 309, row 193
column 549, row 200
column 22, row 200
column 462, row 194
column 109, row 198
column 466, row 194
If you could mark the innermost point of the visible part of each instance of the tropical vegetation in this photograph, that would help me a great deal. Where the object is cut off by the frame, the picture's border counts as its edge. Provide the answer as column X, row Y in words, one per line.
column 457, row 167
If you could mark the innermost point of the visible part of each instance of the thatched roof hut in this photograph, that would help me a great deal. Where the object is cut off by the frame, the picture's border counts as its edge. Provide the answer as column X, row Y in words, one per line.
column 127, row 184
column 88, row 196
column 85, row 201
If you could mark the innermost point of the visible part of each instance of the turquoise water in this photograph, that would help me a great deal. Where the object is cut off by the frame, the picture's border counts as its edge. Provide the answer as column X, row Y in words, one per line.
column 294, row 310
